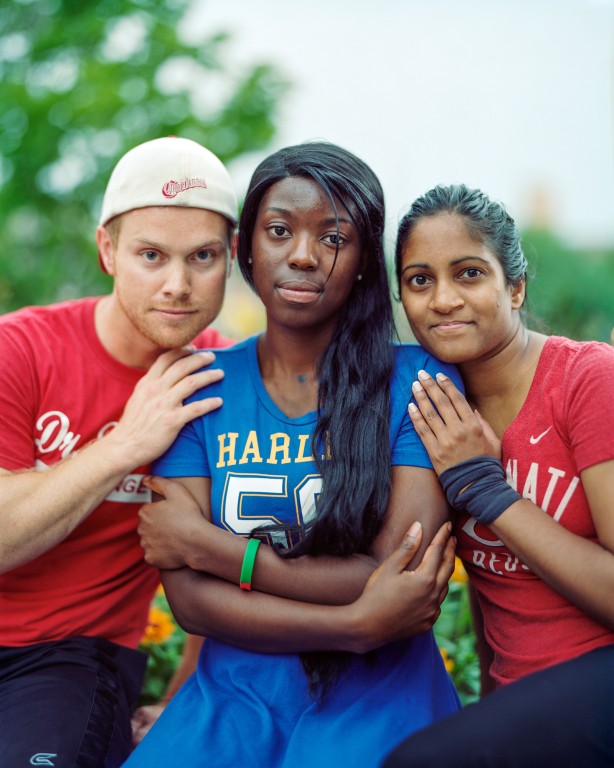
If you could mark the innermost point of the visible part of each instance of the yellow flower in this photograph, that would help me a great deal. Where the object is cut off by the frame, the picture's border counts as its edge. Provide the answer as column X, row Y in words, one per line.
column 159, row 628
column 460, row 574
column 447, row 661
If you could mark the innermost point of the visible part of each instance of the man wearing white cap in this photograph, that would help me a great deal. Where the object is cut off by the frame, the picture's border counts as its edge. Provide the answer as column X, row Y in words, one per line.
column 91, row 391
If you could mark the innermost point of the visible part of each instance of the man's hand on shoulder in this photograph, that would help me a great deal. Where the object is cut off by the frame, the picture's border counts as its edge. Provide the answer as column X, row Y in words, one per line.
column 155, row 412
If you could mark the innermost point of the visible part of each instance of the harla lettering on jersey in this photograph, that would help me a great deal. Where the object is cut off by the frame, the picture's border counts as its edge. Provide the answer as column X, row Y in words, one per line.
column 278, row 448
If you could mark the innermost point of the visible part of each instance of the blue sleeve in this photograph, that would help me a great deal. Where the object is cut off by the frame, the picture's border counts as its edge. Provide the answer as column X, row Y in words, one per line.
column 406, row 447
column 187, row 456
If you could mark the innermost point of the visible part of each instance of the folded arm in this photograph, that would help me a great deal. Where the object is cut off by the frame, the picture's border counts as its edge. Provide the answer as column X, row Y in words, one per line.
column 311, row 603
column 396, row 603
column 177, row 532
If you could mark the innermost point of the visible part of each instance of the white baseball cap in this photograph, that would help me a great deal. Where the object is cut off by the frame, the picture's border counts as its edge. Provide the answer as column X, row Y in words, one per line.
column 169, row 171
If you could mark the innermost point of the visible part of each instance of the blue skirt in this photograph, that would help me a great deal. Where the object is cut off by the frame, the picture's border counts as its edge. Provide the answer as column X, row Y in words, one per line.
column 250, row 709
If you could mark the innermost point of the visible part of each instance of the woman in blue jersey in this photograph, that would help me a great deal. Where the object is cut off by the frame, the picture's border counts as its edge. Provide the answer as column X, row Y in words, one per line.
column 314, row 454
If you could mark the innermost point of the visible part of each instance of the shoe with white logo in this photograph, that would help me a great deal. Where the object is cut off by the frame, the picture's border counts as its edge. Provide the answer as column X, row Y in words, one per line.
column 42, row 758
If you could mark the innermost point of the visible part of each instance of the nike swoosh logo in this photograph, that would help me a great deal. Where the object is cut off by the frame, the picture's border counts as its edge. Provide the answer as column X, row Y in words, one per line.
column 535, row 440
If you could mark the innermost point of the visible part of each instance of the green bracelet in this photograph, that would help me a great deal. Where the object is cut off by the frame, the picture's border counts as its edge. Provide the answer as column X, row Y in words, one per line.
column 247, row 569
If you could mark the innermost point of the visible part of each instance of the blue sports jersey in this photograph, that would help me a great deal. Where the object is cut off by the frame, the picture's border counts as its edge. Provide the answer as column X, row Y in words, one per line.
column 259, row 459
column 254, row 709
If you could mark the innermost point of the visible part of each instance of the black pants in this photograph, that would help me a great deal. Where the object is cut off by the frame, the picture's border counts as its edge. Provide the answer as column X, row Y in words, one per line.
column 68, row 703
column 562, row 716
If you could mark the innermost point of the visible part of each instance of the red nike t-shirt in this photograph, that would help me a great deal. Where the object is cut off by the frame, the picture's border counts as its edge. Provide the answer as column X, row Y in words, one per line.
column 565, row 426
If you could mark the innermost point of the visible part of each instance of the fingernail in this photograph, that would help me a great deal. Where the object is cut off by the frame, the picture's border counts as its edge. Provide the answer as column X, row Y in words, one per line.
column 441, row 377
column 207, row 355
column 423, row 375
column 414, row 531
column 416, row 386
column 412, row 408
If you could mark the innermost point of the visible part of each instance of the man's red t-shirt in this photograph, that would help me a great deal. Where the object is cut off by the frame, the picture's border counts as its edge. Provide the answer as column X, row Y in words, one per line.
column 60, row 389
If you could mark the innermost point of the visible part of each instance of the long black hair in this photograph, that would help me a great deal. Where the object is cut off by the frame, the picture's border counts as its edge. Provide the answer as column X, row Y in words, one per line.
column 351, row 440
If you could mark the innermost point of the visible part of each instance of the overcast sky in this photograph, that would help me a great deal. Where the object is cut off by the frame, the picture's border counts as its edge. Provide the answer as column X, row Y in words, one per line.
column 513, row 96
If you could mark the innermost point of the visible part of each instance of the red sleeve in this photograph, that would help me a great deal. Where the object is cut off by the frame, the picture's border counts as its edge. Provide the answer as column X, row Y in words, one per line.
column 19, row 394
column 590, row 404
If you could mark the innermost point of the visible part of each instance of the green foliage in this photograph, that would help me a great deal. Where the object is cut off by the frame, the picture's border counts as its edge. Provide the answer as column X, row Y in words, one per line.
column 455, row 636
column 80, row 84
column 163, row 644
column 572, row 293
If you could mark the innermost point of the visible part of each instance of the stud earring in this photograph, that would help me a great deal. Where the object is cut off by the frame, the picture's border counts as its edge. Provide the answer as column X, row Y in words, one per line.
column 358, row 277
column 249, row 259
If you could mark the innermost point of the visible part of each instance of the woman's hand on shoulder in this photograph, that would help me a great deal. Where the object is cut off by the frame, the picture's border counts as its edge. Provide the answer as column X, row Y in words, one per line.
column 450, row 430
column 397, row 603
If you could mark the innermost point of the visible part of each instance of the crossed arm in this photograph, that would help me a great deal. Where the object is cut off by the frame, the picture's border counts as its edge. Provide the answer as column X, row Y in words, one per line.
column 309, row 603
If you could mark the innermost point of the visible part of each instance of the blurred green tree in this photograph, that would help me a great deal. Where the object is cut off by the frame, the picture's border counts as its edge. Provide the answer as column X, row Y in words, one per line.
column 80, row 84
column 570, row 291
